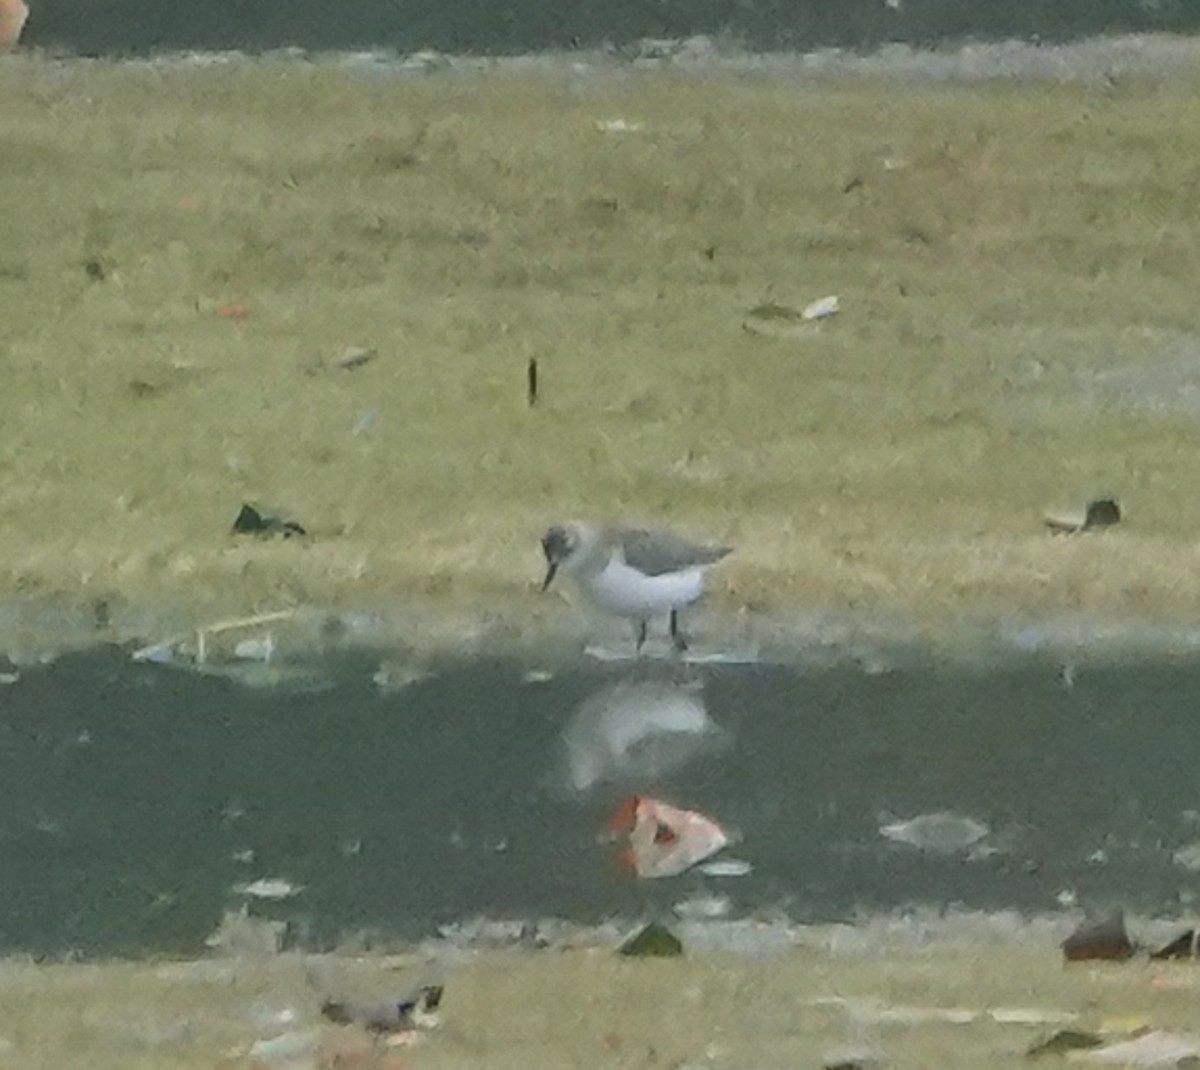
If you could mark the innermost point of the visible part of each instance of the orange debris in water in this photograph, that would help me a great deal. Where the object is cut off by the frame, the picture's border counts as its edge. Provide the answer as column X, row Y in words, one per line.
column 665, row 841
column 13, row 14
column 233, row 312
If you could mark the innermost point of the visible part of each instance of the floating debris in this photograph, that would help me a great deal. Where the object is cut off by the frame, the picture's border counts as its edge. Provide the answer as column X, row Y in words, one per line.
column 726, row 867
column 239, row 934
column 704, row 907
column 250, row 521
column 158, row 653
column 1098, row 513
column 941, row 832
column 1188, row 857
column 270, row 888
column 394, row 676
column 1105, row 939
column 665, row 841
column 256, row 649
column 655, row 940
column 476, row 933
column 253, row 659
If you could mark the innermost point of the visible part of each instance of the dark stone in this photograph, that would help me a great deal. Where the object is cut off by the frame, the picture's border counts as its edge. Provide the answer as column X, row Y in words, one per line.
column 1101, row 513
column 251, row 522
column 654, row 941
column 336, row 1011
column 1182, row 947
column 1104, row 939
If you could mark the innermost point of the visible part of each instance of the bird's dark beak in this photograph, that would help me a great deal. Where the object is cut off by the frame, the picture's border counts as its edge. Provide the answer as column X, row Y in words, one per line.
column 550, row 574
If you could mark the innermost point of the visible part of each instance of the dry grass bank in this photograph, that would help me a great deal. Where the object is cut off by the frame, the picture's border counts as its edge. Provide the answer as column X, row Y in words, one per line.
column 990, row 244
column 589, row 1010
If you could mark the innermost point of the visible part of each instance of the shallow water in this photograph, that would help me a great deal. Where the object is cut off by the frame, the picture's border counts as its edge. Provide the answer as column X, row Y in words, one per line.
column 133, row 794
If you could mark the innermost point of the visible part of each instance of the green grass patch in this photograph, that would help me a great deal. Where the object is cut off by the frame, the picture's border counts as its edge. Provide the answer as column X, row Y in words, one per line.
column 992, row 245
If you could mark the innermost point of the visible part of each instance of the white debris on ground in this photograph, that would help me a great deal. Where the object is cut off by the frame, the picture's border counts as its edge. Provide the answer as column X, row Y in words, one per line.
column 825, row 306
column 1157, row 1048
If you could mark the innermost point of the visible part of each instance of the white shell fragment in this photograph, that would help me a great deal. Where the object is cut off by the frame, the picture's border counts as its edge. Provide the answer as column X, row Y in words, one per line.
column 773, row 320
column 1156, row 1048
column 1096, row 514
column 1067, row 522
column 825, row 306
column 618, row 126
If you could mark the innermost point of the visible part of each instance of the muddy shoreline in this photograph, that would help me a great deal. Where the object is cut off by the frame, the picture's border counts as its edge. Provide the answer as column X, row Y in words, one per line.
column 555, row 631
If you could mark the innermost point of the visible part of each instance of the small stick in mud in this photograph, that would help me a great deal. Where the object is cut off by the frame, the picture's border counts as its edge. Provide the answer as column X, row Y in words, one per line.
column 531, row 374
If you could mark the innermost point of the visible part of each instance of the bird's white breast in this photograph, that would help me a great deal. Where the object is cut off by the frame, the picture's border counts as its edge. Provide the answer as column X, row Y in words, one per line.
column 624, row 591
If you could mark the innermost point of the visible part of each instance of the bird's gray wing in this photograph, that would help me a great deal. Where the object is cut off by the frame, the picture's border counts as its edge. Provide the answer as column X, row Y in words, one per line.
column 656, row 552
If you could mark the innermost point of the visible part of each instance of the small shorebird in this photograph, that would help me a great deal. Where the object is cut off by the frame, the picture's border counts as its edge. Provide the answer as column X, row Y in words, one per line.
column 631, row 572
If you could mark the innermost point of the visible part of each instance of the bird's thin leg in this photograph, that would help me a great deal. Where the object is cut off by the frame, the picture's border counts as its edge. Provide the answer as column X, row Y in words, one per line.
column 639, row 630
column 677, row 637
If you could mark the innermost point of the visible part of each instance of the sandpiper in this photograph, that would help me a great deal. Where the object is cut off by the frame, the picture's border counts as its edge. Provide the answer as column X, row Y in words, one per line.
column 631, row 572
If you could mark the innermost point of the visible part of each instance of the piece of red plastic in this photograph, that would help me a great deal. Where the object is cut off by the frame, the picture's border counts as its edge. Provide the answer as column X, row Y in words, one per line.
column 665, row 840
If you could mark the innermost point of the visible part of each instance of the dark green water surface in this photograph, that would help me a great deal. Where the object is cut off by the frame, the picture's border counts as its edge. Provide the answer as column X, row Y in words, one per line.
column 131, row 794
